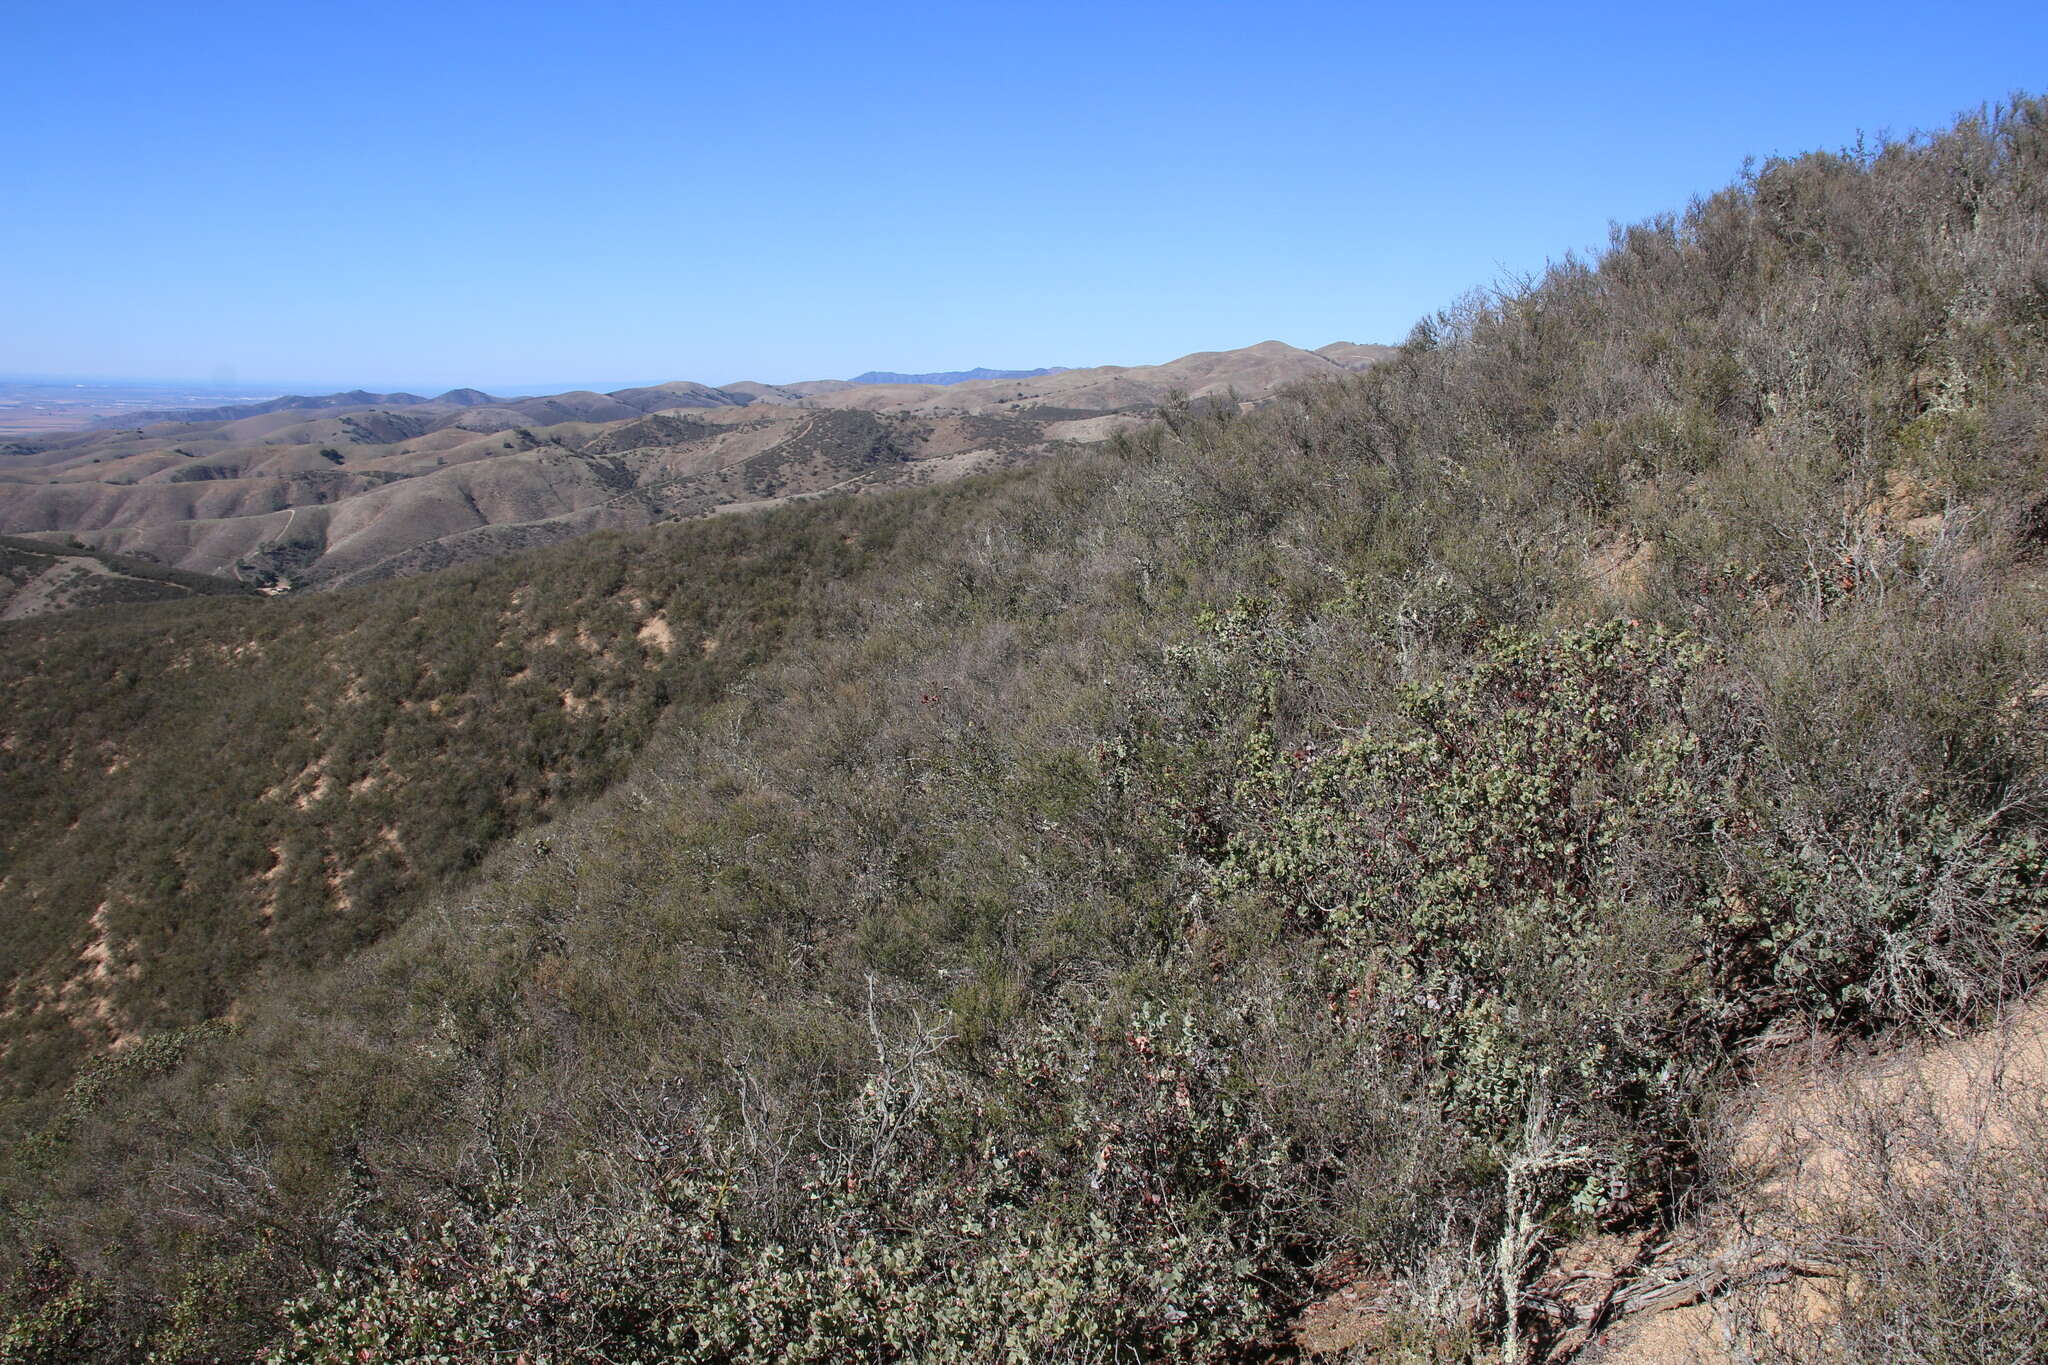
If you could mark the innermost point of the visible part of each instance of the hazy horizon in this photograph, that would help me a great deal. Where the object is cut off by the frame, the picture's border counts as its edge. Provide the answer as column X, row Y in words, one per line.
column 233, row 385
column 276, row 387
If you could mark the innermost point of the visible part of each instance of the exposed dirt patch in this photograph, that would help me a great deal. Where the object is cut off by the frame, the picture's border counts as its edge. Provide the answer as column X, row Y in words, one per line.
column 657, row 634
column 1763, row 1261
column 86, row 998
column 1620, row 568
column 303, row 780
column 266, row 910
column 305, row 800
column 1801, row 1140
column 1350, row 1317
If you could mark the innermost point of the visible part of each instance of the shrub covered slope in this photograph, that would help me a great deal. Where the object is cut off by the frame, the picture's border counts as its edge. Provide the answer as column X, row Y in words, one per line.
column 1359, row 839
column 196, row 790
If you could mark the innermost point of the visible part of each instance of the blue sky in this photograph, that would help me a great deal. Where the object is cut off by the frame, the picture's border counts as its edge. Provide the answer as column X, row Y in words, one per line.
column 519, row 196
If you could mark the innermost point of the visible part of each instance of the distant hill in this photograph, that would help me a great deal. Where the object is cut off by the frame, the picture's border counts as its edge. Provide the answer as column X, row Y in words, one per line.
column 578, row 405
column 38, row 579
column 950, row 376
column 291, row 402
column 314, row 492
column 1253, row 373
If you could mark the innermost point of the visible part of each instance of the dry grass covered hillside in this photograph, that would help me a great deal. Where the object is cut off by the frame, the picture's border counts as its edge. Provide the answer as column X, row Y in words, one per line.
column 348, row 488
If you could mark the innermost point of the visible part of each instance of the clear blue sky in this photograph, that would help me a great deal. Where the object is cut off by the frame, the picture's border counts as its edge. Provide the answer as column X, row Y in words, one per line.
column 517, row 196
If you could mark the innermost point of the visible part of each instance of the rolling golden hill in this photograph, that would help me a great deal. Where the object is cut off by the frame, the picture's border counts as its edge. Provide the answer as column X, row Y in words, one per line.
column 346, row 488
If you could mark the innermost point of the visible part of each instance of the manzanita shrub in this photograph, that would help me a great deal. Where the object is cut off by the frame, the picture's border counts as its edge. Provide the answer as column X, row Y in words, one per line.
column 1104, row 1195
column 1490, row 883
column 1567, row 879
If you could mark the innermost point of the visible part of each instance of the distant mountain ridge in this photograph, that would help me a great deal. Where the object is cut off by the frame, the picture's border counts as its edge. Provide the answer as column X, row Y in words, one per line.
column 951, row 376
column 311, row 492
column 292, row 402
column 583, row 403
column 1254, row 370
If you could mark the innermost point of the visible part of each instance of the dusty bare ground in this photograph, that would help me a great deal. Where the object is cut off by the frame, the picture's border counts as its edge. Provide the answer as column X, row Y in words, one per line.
column 1768, row 1263
column 1761, row 1276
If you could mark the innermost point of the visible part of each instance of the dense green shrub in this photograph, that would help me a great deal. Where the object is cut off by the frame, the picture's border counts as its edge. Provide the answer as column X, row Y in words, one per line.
column 1136, row 1214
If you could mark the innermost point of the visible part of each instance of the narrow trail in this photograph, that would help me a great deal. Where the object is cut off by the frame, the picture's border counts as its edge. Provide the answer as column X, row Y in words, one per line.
column 237, row 565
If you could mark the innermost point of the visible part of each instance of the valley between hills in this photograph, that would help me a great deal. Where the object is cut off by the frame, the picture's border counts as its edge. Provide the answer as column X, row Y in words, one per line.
column 349, row 488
